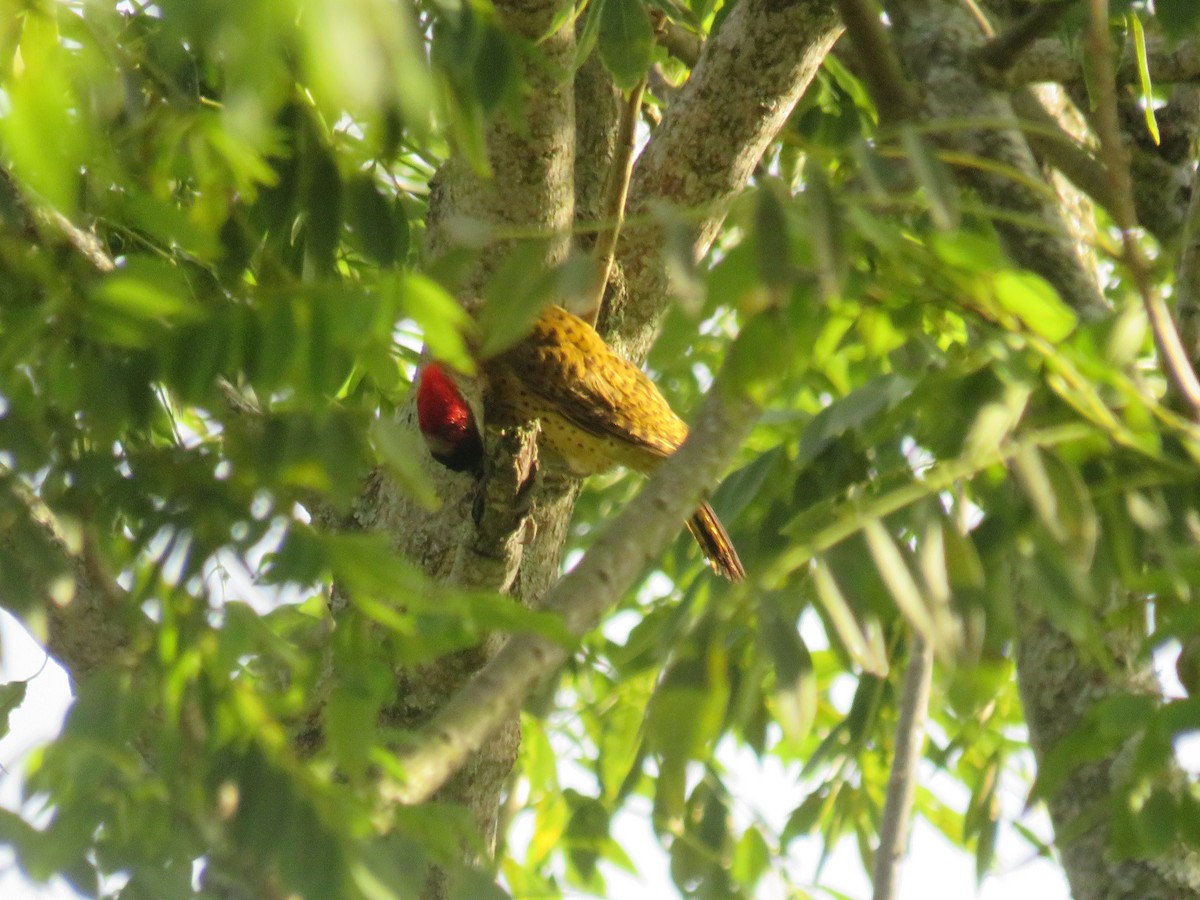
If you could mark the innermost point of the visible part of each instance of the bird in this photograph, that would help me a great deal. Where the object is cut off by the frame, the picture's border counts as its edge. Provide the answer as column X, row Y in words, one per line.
column 596, row 410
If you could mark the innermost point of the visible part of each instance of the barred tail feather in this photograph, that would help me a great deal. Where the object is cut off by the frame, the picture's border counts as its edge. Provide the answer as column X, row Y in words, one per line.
column 718, row 549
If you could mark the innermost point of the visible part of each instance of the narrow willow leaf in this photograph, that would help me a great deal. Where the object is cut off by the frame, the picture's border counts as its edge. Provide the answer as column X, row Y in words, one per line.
column 1034, row 301
column 771, row 236
column 825, row 228
column 589, row 33
column 1031, row 473
column 1143, row 67
column 844, row 622
column 899, row 580
column 515, row 297
column 940, row 191
column 931, row 555
column 795, row 694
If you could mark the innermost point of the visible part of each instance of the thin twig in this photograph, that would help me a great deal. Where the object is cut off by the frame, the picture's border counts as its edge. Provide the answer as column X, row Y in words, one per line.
column 613, row 213
column 1051, row 142
column 682, row 44
column 1166, row 336
column 1051, row 60
column 1187, row 275
column 1002, row 51
column 902, row 783
column 894, row 96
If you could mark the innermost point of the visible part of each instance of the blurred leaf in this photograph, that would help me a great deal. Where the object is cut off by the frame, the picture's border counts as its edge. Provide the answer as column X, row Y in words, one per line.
column 771, row 237
column 516, row 296
column 850, row 412
column 378, row 221
column 42, row 128
column 940, row 191
column 12, row 695
column 795, row 692
column 751, row 858
column 401, row 450
column 1032, row 300
column 626, row 41
column 844, row 622
column 443, row 322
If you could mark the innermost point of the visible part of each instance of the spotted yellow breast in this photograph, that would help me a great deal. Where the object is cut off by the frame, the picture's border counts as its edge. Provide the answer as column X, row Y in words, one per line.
column 597, row 410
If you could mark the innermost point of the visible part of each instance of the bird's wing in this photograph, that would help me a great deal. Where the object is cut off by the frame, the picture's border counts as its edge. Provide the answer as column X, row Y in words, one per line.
column 595, row 388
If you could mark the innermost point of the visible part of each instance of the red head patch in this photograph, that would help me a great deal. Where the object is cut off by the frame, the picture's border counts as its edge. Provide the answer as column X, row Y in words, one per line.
column 446, row 420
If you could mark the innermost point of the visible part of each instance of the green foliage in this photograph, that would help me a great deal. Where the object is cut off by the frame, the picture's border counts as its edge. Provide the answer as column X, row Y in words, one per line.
column 942, row 434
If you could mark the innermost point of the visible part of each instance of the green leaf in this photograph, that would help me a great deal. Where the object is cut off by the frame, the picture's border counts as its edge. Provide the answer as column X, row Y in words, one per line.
column 443, row 322
column 825, row 228
column 1032, row 300
column 377, row 221
column 861, row 650
column 1143, row 67
column 620, row 740
column 849, row 412
column 42, row 125
column 771, row 236
column 516, row 295
column 751, row 857
column 626, row 41
column 898, row 577
column 1155, row 822
column 589, row 33
column 764, row 349
column 941, row 193
column 795, row 694
column 12, row 695
column 148, row 290
column 495, row 69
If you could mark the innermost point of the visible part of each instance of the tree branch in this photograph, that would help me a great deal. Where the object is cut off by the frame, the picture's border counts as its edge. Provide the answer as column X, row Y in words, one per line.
column 682, row 44
column 1050, row 60
column 1058, row 684
column 742, row 90
column 529, row 188
column 894, row 97
column 87, row 624
column 1170, row 347
column 625, row 546
column 615, row 195
column 1059, row 687
column 1003, row 50
column 1187, row 276
column 1053, row 144
column 938, row 41
column 902, row 782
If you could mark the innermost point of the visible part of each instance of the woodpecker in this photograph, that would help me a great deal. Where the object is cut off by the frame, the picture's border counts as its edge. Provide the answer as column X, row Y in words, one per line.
column 597, row 410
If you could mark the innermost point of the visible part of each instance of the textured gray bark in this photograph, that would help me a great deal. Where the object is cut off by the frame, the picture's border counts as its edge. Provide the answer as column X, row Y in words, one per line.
column 937, row 40
column 747, row 84
column 1058, row 688
column 748, row 79
column 529, row 189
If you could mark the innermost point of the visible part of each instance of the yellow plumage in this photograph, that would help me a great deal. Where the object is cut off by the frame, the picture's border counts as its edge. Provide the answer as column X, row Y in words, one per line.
column 597, row 410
